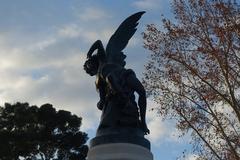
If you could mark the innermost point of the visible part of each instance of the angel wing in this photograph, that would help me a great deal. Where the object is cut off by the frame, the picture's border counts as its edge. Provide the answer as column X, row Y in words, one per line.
column 120, row 38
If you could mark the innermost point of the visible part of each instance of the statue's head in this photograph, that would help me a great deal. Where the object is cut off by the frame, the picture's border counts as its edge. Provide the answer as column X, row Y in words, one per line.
column 91, row 65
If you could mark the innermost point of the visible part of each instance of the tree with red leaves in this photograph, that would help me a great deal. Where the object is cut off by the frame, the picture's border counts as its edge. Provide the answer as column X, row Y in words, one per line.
column 194, row 74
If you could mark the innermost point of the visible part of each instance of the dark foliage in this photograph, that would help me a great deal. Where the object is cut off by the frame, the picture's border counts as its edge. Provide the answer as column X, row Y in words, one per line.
column 40, row 133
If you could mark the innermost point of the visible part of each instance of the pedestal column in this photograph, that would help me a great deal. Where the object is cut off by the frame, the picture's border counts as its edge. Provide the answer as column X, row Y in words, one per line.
column 119, row 147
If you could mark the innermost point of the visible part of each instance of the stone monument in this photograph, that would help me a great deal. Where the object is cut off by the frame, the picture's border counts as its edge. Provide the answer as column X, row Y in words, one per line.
column 120, row 134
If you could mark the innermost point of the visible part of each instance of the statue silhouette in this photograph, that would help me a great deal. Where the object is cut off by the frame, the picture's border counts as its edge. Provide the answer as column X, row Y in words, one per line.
column 116, row 84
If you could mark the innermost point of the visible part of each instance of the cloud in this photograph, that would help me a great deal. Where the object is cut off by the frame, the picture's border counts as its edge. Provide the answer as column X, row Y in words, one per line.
column 65, row 86
column 70, row 31
column 90, row 14
column 191, row 157
column 163, row 131
column 148, row 4
column 159, row 130
column 87, row 35
column 49, row 70
column 43, row 44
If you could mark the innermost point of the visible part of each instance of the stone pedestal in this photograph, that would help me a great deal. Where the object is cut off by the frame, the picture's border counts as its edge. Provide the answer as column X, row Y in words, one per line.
column 119, row 147
column 119, row 151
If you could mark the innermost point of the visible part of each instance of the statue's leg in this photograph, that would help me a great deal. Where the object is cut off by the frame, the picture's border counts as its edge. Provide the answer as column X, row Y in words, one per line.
column 110, row 115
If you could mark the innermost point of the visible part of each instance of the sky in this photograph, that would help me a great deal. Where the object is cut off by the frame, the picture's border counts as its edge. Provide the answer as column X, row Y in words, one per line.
column 43, row 46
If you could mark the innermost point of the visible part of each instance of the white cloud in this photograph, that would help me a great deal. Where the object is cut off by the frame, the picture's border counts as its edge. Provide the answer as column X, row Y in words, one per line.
column 191, row 157
column 64, row 86
column 148, row 4
column 158, row 129
column 162, row 130
column 43, row 44
column 93, row 13
column 87, row 35
column 134, row 42
column 70, row 31
column 38, row 74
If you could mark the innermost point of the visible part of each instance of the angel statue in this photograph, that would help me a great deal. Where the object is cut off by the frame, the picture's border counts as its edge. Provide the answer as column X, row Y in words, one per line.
column 116, row 84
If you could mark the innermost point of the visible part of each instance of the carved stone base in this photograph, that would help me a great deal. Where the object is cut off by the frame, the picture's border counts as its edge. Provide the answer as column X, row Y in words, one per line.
column 119, row 151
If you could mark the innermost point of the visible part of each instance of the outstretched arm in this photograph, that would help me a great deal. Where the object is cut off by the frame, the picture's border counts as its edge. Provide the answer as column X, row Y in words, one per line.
column 137, row 86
